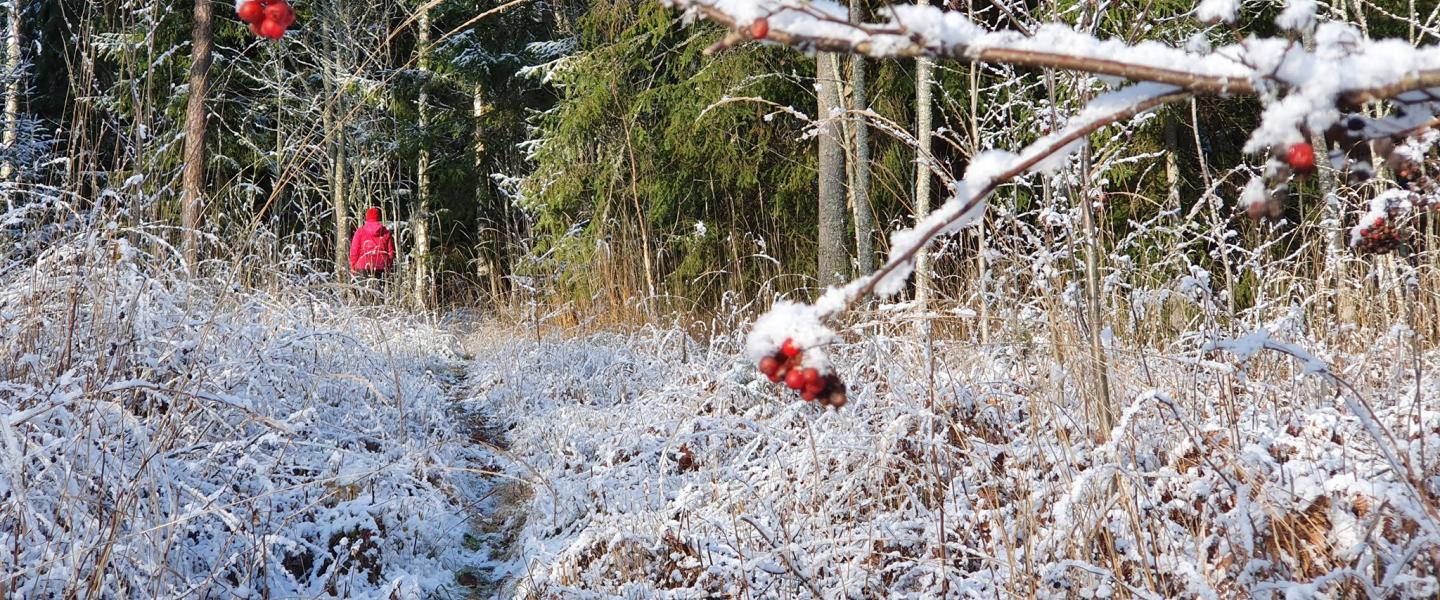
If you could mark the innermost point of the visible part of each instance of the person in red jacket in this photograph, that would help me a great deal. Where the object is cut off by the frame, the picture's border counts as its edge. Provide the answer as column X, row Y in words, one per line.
column 372, row 250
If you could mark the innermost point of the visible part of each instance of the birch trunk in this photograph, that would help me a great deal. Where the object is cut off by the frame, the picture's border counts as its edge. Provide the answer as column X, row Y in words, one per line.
column 12, row 89
column 860, row 168
column 834, row 267
column 923, row 130
column 420, row 217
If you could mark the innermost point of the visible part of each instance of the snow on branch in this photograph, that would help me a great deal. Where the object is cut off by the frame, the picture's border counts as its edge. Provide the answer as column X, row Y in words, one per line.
column 986, row 173
column 1345, row 66
column 805, row 323
column 1303, row 90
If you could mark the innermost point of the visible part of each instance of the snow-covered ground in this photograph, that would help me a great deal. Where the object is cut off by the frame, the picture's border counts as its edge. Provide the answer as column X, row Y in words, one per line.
column 661, row 466
column 200, row 436
column 168, row 437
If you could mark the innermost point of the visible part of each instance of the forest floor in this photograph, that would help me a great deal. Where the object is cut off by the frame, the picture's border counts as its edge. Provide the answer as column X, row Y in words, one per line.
column 499, row 512
column 660, row 464
column 193, row 436
column 238, row 434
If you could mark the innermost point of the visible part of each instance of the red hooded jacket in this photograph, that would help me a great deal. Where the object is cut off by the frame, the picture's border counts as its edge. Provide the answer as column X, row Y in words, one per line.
column 372, row 250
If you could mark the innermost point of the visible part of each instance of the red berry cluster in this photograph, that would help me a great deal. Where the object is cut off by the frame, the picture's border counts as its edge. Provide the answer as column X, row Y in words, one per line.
column 267, row 18
column 1380, row 237
column 1297, row 160
column 786, row 365
column 1357, row 146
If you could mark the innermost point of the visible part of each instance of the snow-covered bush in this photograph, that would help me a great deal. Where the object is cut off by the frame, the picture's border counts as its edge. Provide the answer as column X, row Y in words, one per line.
column 667, row 467
column 170, row 436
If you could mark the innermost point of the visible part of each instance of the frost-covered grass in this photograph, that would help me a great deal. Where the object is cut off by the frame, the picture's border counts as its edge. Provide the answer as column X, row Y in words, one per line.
column 171, row 437
column 662, row 466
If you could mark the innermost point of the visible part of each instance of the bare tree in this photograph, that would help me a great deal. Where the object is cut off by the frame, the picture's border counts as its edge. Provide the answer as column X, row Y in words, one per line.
column 12, row 86
column 923, row 129
column 834, row 264
column 193, row 179
column 333, row 112
column 860, row 164
column 490, row 226
column 420, row 214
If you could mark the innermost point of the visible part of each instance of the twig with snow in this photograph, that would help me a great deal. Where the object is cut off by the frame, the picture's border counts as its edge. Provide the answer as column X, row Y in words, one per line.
column 987, row 173
column 916, row 31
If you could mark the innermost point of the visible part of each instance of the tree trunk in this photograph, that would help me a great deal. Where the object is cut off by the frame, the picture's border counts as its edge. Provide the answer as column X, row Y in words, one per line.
column 193, row 179
column 1217, row 221
column 12, row 91
column 982, row 259
column 341, row 206
column 647, row 253
column 491, row 227
column 1332, row 275
column 860, row 168
column 923, row 129
column 834, row 263
column 420, row 217
column 335, row 128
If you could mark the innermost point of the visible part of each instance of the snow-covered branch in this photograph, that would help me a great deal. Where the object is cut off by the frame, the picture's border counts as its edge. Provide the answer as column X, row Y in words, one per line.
column 1356, row 69
column 1304, row 89
column 986, row 173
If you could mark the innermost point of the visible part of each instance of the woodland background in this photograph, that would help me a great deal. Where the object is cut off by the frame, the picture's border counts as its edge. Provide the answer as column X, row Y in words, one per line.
column 592, row 154
column 1126, row 380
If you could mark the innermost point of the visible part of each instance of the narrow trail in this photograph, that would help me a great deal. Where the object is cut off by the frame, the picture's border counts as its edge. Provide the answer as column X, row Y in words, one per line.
column 496, row 516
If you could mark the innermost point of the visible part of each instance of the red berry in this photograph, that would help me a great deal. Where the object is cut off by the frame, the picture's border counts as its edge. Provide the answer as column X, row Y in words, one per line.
column 250, row 11
column 759, row 28
column 807, row 395
column 816, row 387
column 811, row 375
column 272, row 29
column 1301, row 158
column 789, row 349
column 774, row 377
column 281, row 13
column 255, row 29
column 769, row 365
column 1255, row 210
column 794, row 380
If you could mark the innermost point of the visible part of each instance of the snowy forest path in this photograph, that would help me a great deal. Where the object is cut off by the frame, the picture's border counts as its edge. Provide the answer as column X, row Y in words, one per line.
column 498, row 514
